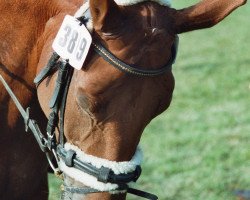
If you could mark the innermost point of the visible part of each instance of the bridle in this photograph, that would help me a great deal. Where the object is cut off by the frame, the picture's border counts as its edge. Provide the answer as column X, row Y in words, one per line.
column 114, row 61
column 57, row 104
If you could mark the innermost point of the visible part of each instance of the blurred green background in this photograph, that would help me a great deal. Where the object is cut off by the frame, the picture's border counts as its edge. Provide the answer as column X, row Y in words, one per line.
column 199, row 149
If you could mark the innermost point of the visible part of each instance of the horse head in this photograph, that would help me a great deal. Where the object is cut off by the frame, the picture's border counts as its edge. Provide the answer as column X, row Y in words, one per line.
column 108, row 108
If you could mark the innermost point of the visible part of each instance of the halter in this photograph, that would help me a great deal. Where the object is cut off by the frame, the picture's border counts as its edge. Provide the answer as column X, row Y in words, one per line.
column 52, row 148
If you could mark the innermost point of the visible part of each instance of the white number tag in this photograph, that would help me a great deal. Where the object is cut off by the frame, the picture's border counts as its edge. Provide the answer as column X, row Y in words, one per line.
column 72, row 42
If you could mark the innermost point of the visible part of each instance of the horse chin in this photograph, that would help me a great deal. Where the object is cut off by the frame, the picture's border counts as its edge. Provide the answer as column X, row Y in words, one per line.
column 69, row 182
column 74, row 195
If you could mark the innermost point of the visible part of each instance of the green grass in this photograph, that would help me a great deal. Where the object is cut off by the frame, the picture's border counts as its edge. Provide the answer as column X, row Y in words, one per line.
column 199, row 149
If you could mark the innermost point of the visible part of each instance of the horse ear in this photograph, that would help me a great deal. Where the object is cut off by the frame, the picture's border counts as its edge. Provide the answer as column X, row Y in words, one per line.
column 106, row 14
column 205, row 14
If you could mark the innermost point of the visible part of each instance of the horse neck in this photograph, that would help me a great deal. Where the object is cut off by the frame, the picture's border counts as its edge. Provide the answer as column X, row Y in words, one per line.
column 21, row 46
column 20, row 52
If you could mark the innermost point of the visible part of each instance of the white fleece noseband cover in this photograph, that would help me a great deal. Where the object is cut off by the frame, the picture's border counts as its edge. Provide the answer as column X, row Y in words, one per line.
column 91, row 181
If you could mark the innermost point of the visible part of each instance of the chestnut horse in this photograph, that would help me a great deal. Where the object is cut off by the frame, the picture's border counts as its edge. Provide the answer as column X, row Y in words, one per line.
column 107, row 109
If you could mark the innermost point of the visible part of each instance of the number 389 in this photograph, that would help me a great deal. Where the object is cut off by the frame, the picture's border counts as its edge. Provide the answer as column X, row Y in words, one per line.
column 72, row 42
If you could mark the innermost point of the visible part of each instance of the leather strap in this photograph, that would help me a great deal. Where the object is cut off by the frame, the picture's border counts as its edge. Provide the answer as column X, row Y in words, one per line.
column 113, row 60
column 143, row 194
column 61, row 80
column 47, row 69
column 56, row 103
column 63, row 104
column 30, row 123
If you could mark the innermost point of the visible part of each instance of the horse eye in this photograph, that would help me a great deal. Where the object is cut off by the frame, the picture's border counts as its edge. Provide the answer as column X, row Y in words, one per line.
column 154, row 30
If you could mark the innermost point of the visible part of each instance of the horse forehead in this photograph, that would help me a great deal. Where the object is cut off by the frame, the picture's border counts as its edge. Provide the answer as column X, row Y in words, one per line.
column 150, row 14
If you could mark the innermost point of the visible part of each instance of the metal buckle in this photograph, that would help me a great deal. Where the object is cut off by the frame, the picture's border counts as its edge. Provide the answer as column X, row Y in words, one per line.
column 26, row 120
column 57, row 171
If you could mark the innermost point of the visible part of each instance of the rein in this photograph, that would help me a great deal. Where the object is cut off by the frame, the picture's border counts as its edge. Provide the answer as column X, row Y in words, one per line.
column 55, row 149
